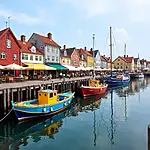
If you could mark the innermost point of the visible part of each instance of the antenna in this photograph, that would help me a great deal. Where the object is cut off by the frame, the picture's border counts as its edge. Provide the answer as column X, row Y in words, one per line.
column 9, row 21
column 125, row 47
column 6, row 23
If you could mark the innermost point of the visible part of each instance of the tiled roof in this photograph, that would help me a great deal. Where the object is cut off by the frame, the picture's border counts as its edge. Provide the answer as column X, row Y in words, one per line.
column 94, row 52
column 69, row 51
column 25, row 47
column 47, row 40
column 103, row 58
column 127, row 59
column 2, row 31
column 82, row 51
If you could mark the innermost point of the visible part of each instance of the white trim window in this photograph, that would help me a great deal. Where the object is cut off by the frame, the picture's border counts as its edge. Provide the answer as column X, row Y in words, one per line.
column 36, row 58
column 15, row 56
column 53, row 58
column 3, row 55
column 40, row 58
column 31, row 57
column 24, row 56
column 8, row 43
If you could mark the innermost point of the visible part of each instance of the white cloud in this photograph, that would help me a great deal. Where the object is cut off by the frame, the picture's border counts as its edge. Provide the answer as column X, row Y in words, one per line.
column 22, row 18
column 131, row 10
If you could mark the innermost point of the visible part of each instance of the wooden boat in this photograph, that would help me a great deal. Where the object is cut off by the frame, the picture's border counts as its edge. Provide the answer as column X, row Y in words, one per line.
column 48, row 103
column 94, row 88
column 119, row 79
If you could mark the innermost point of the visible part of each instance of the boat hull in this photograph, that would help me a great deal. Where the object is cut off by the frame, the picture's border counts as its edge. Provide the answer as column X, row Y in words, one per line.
column 88, row 91
column 117, row 82
column 25, row 113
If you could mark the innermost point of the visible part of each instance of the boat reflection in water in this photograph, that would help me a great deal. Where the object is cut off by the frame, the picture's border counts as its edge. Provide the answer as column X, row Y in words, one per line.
column 18, row 134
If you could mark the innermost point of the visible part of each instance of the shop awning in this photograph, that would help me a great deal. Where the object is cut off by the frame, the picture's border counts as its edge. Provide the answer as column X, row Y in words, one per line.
column 58, row 66
column 38, row 67
column 71, row 68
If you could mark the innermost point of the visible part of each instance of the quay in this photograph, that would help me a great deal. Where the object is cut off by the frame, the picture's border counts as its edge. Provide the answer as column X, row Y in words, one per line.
column 25, row 90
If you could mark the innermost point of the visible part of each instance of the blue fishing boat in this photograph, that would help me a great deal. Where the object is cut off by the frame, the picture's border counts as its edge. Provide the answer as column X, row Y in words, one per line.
column 119, row 79
column 49, row 102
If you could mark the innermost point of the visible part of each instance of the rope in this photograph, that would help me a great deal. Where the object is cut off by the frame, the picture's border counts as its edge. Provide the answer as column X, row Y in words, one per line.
column 6, row 115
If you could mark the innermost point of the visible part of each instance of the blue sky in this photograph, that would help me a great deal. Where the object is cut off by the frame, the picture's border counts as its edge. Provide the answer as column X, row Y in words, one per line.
column 72, row 22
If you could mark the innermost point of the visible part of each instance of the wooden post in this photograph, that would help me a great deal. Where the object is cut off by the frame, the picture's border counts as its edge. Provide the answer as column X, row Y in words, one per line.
column 21, row 94
column 12, row 95
column 34, row 90
column 149, row 137
column 18, row 93
column 4, row 99
column 27, row 93
column 8, row 100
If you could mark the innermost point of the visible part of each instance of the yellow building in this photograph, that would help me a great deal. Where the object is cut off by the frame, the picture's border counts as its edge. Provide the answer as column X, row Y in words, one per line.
column 124, row 63
column 83, row 53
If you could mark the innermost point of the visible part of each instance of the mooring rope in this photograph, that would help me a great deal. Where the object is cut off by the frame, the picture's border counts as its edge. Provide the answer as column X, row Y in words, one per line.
column 6, row 115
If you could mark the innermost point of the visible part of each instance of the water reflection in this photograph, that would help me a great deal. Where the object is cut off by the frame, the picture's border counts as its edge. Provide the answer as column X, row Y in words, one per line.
column 104, row 108
column 18, row 134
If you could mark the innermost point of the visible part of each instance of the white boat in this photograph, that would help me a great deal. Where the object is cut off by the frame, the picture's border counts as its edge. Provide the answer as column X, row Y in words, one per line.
column 139, row 75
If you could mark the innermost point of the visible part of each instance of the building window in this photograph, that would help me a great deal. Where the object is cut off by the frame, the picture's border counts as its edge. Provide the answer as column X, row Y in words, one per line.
column 121, row 67
column 31, row 57
column 118, row 59
column 40, row 58
column 117, row 63
column 24, row 56
column 57, row 59
column 48, row 49
column 67, row 61
column 53, row 50
column 56, row 51
column 126, row 67
column 15, row 56
column 3, row 55
column 63, row 61
column 48, row 58
column 8, row 43
column 53, row 58
column 36, row 58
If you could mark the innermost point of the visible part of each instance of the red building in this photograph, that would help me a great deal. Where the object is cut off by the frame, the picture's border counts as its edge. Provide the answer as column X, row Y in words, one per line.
column 9, row 48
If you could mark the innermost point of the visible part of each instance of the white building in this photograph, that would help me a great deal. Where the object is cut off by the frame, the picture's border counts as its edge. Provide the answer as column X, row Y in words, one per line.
column 49, row 48
column 29, row 53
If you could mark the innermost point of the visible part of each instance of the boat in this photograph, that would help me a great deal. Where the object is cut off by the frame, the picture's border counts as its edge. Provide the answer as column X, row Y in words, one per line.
column 119, row 79
column 94, row 88
column 49, row 103
column 139, row 75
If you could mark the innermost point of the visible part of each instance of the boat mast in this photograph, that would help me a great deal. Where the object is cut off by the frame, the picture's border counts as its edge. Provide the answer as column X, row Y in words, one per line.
column 93, row 55
column 111, row 49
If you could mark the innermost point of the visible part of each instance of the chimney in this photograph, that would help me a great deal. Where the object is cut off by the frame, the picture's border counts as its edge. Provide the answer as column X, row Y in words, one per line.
column 104, row 55
column 91, row 49
column 23, row 38
column 85, row 48
column 127, row 55
column 49, row 35
column 124, row 55
column 64, row 46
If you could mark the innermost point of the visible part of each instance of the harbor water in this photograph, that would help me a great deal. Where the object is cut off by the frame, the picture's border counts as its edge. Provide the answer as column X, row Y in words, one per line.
column 116, row 120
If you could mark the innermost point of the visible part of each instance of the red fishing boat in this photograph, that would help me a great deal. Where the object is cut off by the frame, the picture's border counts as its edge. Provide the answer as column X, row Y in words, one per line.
column 94, row 88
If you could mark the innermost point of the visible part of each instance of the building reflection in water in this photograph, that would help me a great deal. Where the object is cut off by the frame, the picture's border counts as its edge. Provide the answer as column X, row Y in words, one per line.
column 14, row 135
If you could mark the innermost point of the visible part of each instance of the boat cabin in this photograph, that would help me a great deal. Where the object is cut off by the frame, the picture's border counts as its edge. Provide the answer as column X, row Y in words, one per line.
column 94, row 83
column 47, row 97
